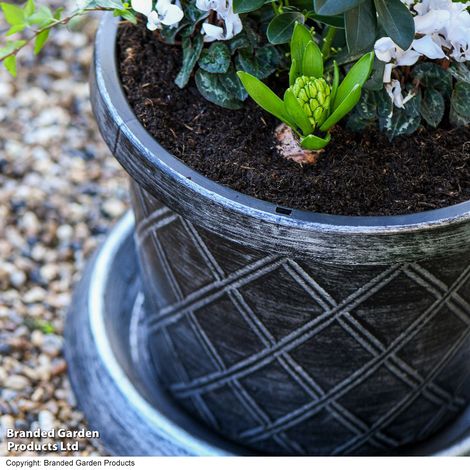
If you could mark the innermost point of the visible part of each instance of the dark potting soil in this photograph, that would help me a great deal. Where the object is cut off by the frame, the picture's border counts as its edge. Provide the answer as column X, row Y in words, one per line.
column 358, row 174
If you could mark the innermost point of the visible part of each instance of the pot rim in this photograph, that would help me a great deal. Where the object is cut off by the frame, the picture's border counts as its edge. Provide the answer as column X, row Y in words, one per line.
column 159, row 159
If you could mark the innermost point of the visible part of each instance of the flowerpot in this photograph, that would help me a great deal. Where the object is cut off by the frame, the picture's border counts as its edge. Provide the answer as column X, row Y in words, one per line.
column 286, row 331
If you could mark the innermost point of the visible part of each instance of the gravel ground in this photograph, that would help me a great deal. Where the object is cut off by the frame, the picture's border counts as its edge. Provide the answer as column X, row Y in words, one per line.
column 60, row 192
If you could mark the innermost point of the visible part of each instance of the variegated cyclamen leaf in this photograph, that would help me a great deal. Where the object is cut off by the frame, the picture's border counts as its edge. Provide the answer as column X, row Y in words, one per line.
column 460, row 100
column 432, row 107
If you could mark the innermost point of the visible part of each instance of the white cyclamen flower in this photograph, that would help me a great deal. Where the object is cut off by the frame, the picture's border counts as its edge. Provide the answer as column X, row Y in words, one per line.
column 166, row 13
column 442, row 28
column 232, row 24
column 394, row 91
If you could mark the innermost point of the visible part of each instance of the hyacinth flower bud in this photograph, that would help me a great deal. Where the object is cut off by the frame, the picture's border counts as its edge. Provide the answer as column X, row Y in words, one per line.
column 313, row 94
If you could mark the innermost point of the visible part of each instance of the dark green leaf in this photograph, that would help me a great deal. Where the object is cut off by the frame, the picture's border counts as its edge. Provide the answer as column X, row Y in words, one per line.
column 375, row 82
column 361, row 26
column 281, row 27
column 215, row 59
column 335, row 21
column 366, row 108
column 460, row 71
column 212, row 89
column 191, row 52
column 460, row 101
column 397, row 21
column 240, row 41
column 431, row 75
column 335, row 7
column 233, row 85
column 402, row 121
column 261, row 64
column 245, row 6
column 432, row 107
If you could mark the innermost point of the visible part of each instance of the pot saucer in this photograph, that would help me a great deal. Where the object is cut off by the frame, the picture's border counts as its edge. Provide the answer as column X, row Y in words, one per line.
column 113, row 379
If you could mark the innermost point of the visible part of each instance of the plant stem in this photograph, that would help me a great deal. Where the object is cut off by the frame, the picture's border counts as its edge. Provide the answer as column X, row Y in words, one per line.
column 61, row 22
column 328, row 41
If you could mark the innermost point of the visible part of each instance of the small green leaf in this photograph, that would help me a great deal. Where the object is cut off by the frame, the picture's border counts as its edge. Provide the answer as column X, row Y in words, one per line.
column 14, row 14
column 10, row 64
column 295, row 111
column 263, row 95
column 397, row 21
column 312, row 63
column 16, row 29
column 345, row 106
column 313, row 142
column 432, row 107
column 245, row 6
column 40, row 40
column 281, row 27
column 215, row 59
column 357, row 75
column 335, row 7
column 29, row 8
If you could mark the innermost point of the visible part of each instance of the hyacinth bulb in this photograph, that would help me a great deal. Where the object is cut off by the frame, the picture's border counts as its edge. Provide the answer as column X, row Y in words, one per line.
column 313, row 94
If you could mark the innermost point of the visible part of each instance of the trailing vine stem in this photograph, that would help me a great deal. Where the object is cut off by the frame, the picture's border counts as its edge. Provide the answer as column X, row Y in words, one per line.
column 50, row 26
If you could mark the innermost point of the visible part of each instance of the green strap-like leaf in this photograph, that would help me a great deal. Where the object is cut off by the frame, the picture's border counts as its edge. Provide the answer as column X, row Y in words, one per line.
column 263, row 95
column 293, row 72
column 313, row 142
column 347, row 104
column 397, row 21
column 295, row 111
column 358, row 75
column 312, row 62
column 334, row 87
column 300, row 38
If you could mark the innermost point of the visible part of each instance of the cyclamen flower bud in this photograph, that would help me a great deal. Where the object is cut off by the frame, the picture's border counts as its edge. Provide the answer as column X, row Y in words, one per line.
column 313, row 95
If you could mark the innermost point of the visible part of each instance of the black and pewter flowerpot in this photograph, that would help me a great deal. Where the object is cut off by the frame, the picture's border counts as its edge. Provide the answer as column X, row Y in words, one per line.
column 292, row 332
